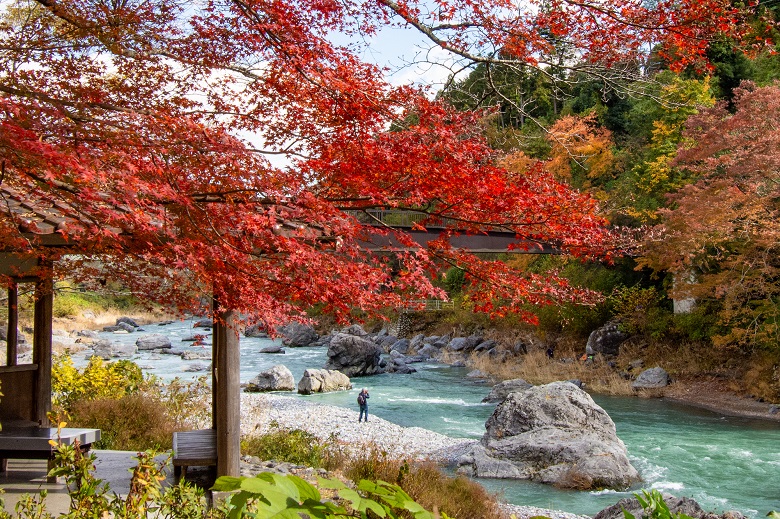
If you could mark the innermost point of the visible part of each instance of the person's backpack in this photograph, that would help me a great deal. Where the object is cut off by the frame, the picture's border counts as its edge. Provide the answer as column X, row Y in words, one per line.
column 361, row 399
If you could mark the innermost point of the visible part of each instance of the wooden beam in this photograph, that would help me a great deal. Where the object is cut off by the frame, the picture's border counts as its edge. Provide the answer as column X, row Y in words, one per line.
column 16, row 265
column 13, row 325
column 227, row 392
column 42, row 350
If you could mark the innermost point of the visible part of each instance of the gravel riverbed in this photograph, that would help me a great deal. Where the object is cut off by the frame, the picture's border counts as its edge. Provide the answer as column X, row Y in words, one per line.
column 258, row 411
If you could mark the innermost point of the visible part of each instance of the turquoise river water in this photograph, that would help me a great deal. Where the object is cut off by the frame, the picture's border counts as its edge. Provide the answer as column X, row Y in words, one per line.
column 724, row 463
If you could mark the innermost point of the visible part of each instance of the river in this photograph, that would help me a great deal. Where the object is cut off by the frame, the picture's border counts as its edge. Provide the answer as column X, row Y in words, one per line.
column 724, row 463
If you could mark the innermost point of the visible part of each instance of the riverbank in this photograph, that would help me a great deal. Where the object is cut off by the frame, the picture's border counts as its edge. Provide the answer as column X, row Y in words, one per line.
column 714, row 395
column 262, row 412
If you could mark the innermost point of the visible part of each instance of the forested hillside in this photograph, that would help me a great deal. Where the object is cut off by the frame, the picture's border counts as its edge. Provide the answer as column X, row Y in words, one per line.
column 685, row 166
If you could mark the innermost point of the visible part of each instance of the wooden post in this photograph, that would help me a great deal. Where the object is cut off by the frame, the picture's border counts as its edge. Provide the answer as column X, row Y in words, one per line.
column 13, row 325
column 227, row 392
column 215, row 347
column 42, row 350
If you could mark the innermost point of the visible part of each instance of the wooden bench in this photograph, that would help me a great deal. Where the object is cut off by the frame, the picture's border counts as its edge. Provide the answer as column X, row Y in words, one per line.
column 32, row 442
column 193, row 449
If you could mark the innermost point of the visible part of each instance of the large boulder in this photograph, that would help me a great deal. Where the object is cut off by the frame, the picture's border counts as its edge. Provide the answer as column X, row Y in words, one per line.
column 196, row 354
column 416, row 342
column 120, row 327
column 277, row 378
column 677, row 505
column 153, row 341
column 355, row 329
column 552, row 434
column 401, row 346
column 20, row 338
column 429, row 351
column 502, row 389
column 606, row 340
column 203, row 323
column 297, row 334
column 127, row 320
column 112, row 350
column 323, row 381
column 354, row 356
column 256, row 330
column 464, row 344
column 652, row 378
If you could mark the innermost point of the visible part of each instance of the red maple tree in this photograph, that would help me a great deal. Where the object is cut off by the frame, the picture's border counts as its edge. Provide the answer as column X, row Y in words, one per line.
column 721, row 234
column 150, row 125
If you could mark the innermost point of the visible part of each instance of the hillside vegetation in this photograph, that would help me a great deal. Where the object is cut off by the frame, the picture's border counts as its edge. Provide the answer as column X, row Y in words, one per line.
column 687, row 172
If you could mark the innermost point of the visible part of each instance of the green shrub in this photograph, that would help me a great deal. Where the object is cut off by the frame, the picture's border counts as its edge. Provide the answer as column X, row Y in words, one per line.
column 89, row 496
column 132, row 412
column 701, row 323
column 97, row 379
column 268, row 496
column 454, row 280
column 654, row 507
column 424, row 482
column 289, row 445
column 642, row 310
column 67, row 305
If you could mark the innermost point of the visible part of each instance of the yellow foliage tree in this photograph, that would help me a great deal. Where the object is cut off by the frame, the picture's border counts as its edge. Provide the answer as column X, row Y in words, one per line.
column 97, row 379
column 655, row 175
column 580, row 148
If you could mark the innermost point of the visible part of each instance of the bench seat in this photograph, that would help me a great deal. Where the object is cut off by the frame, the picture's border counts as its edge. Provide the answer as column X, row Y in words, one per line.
column 193, row 449
column 33, row 442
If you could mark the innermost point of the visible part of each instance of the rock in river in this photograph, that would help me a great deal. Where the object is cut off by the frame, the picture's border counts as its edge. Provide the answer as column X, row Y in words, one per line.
column 323, row 381
column 277, row 378
column 153, row 341
column 353, row 355
column 552, row 434
column 502, row 389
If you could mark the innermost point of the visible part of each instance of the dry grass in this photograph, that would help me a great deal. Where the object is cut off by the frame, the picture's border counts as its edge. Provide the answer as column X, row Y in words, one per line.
column 89, row 320
column 458, row 497
column 133, row 422
column 536, row 368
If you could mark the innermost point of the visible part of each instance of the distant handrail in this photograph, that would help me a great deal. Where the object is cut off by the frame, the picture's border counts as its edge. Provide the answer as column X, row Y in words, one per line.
column 394, row 218
column 428, row 305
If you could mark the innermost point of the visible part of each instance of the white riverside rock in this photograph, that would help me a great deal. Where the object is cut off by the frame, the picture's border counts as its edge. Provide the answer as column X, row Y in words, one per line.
column 324, row 421
column 258, row 410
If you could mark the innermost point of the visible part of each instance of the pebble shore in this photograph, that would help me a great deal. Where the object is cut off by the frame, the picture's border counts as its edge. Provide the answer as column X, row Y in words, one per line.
column 259, row 411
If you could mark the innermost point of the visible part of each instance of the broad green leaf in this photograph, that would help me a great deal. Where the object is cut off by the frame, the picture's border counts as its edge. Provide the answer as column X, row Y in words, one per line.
column 331, row 484
column 275, row 500
column 237, row 504
column 227, row 483
column 413, row 507
column 287, row 513
column 286, row 486
column 362, row 504
column 256, row 485
column 306, row 491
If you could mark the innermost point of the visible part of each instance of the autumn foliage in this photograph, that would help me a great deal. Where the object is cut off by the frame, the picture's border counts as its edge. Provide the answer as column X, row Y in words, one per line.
column 721, row 235
column 216, row 147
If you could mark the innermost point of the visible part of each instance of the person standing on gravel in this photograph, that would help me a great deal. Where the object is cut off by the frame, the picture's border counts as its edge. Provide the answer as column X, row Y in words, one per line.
column 362, row 400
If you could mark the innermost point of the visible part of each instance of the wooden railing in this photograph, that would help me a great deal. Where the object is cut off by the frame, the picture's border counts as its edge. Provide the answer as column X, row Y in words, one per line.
column 428, row 305
column 401, row 219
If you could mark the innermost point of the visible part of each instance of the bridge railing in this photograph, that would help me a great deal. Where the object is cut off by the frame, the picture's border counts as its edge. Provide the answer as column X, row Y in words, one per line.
column 428, row 305
column 394, row 218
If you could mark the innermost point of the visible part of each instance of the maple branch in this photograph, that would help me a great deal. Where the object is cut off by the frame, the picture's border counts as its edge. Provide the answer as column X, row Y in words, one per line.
column 39, row 96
